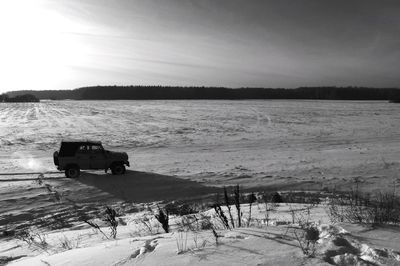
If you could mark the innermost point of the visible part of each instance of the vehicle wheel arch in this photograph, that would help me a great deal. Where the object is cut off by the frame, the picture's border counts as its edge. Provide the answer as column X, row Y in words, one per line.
column 117, row 167
column 114, row 163
column 72, row 165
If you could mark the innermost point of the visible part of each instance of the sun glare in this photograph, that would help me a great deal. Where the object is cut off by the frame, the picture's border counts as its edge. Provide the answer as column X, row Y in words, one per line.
column 37, row 46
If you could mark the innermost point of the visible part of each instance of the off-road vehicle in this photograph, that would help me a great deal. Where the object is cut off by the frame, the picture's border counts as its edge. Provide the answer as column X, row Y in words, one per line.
column 76, row 155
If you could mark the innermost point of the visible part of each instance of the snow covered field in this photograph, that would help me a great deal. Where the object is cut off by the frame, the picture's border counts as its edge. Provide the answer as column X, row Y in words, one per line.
column 217, row 142
column 187, row 149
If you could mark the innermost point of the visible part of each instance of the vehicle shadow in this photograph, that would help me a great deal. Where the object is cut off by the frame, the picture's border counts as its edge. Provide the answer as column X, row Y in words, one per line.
column 145, row 187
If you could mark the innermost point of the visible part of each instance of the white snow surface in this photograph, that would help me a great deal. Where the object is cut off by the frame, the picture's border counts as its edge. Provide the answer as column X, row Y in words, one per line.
column 258, row 244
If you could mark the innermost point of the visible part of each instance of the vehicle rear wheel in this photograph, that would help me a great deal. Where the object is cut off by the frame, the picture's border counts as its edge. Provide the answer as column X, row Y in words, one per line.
column 118, row 169
column 72, row 172
column 55, row 157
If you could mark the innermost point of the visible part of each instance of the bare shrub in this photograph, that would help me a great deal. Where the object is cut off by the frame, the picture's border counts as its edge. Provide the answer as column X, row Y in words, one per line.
column 147, row 223
column 299, row 197
column 198, row 245
column 270, row 205
column 293, row 212
column 95, row 226
column 206, row 224
column 187, row 223
column 110, row 219
column 299, row 213
column 190, row 223
column 221, row 215
column 181, row 242
column 68, row 244
column 228, row 205
column 35, row 240
column 276, row 198
column 180, row 208
column 55, row 221
column 307, row 236
column 216, row 236
column 236, row 193
column 306, row 233
column 251, row 199
column 193, row 224
column 357, row 207
column 163, row 218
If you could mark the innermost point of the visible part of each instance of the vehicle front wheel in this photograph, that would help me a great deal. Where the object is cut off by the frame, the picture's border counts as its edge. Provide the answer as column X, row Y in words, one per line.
column 118, row 169
column 72, row 172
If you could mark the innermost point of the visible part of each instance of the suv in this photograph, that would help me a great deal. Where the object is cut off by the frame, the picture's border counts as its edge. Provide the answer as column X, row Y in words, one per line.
column 76, row 155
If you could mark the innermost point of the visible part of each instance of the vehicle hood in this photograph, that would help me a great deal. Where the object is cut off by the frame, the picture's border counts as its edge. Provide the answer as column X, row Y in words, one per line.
column 120, row 155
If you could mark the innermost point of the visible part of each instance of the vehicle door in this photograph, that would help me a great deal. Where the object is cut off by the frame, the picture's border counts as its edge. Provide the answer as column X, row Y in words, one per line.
column 83, row 157
column 97, row 157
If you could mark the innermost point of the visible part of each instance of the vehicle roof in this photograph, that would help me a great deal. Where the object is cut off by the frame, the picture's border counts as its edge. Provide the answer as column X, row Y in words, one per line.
column 81, row 141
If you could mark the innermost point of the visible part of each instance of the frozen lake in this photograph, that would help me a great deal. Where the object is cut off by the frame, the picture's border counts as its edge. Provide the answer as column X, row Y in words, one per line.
column 219, row 142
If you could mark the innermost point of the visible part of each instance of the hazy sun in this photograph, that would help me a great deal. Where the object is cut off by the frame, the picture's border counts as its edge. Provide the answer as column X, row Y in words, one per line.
column 37, row 45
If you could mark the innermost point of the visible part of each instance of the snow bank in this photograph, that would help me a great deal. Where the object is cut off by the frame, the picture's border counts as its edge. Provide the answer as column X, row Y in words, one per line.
column 257, row 244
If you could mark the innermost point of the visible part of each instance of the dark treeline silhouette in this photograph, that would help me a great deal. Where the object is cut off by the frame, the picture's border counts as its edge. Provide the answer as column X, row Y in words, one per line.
column 169, row 92
column 19, row 98
column 49, row 94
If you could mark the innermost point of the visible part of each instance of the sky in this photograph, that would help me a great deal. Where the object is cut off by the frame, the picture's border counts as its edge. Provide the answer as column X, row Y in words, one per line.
column 66, row 44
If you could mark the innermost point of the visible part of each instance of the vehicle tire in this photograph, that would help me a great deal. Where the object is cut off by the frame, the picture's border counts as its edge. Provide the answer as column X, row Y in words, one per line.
column 118, row 169
column 55, row 158
column 72, row 172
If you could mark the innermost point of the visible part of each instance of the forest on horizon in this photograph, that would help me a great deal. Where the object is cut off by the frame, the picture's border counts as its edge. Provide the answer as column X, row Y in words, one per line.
column 186, row 93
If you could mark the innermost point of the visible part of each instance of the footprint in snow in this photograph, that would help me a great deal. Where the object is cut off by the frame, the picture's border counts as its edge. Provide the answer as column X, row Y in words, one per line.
column 147, row 247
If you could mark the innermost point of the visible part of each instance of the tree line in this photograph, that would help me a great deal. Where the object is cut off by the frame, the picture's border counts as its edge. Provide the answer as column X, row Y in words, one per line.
column 18, row 98
column 171, row 92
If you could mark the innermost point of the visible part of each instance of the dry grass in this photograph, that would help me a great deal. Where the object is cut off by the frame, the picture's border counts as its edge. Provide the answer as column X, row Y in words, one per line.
column 357, row 207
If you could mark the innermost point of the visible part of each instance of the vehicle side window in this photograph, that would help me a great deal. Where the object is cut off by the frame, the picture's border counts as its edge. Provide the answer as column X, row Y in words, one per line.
column 83, row 149
column 96, row 148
